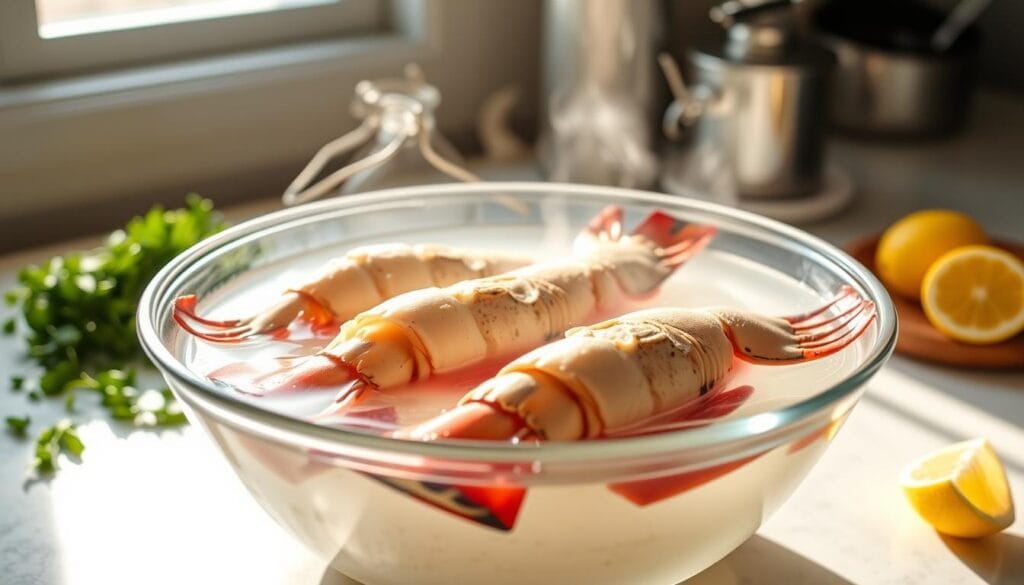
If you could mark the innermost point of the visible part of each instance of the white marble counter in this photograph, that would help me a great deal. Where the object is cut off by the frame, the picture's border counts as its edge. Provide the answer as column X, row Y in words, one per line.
column 147, row 507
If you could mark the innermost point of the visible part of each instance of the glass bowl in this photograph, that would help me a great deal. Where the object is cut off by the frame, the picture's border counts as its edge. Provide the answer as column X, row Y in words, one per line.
column 655, row 509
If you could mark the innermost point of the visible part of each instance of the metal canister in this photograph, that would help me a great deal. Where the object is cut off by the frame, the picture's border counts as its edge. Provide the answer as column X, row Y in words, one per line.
column 600, row 91
column 889, row 81
column 757, row 106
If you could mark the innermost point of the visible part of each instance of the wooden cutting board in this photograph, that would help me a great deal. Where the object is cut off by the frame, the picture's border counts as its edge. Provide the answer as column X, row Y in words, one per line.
column 917, row 337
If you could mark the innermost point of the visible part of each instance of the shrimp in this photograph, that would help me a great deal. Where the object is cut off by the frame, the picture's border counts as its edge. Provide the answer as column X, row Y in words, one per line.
column 357, row 281
column 436, row 330
column 615, row 375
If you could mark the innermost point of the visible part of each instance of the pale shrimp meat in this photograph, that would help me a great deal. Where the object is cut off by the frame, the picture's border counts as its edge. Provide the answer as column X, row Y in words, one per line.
column 615, row 375
column 359, row 280
column 436, row 330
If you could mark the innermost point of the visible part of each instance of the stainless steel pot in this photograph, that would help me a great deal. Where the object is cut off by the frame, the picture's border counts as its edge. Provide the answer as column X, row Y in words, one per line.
column 888, row 81
column 756, row 107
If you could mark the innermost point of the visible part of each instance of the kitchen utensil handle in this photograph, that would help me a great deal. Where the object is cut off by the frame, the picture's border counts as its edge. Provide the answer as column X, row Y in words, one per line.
column 726, row 12
column 686, row 107
column 962, row 15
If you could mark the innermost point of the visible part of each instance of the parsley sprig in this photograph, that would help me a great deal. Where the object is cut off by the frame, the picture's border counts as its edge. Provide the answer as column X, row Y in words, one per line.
column 61, row 437
column 123, row 401
column 78, row 312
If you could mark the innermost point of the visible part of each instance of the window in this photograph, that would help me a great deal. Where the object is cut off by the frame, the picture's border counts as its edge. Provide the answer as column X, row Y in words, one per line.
column 64, row 18
column 80, row 152
column 41, row 38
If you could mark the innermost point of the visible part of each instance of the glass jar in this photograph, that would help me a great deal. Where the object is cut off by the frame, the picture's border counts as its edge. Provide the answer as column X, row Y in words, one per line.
column 397, row 143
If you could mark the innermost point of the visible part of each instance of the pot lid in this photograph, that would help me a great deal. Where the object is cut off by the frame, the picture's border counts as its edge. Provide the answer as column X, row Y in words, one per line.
column 760, row 33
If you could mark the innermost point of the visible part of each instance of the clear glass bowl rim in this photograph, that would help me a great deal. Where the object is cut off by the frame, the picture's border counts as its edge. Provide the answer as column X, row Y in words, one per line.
column 722, row 441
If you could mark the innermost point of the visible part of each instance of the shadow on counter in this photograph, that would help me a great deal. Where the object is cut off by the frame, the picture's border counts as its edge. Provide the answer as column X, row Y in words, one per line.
column 997, row 559
column 757, row 560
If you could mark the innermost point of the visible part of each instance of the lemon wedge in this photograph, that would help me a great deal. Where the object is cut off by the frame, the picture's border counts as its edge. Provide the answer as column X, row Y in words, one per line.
column 975, row 294
column 961, row 490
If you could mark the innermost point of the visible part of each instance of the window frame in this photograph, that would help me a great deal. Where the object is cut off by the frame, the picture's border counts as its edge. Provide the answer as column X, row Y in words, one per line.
column 24, row 55
column 81, row 154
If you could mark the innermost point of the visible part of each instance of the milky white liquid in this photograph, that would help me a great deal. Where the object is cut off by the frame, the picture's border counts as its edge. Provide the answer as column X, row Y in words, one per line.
column 581, row 533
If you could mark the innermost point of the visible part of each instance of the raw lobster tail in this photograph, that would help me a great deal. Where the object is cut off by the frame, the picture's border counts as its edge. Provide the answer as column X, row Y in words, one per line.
column 293, row 305
column 421, row 333
column 678, row 241
column 808, row 336
column 347, row 285
column 627, row 372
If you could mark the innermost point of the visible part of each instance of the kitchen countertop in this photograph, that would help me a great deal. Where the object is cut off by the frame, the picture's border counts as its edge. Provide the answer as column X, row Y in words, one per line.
column 163, row 507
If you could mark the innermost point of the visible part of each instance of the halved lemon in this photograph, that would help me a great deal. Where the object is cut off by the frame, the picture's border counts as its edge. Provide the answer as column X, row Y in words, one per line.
column 961, row 490
column 909, row 247
column 975, row 294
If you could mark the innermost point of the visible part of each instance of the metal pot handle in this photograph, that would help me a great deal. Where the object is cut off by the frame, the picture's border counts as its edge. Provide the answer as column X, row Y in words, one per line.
column 686, row 107
column 725, row 13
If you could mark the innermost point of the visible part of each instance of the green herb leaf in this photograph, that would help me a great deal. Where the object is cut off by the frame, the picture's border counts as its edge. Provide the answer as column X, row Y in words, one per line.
column 51, row 441
column 70, row 443
column 18, row 424
column 44, row 459
column 57, row 377
column 12, row 296
column 78, row 313
column 87, row 300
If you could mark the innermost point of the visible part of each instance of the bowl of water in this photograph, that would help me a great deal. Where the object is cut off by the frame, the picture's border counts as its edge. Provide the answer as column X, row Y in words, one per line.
column 654, row 507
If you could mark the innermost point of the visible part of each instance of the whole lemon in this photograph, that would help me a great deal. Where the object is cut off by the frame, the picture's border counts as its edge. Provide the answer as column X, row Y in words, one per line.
column 910, row 246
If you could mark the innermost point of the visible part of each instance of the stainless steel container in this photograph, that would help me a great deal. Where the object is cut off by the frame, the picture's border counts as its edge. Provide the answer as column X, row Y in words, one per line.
column 888, row 80
column 757, row 108
column 601, row 91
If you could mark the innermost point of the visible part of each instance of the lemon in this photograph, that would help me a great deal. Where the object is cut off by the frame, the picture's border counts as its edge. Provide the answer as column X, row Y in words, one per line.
column 975, row 294
column 961, row 490
column 910, row 246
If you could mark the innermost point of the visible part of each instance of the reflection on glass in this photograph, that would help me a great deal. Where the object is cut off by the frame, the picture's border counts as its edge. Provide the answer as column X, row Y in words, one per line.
column 64, row 18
